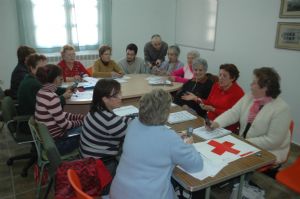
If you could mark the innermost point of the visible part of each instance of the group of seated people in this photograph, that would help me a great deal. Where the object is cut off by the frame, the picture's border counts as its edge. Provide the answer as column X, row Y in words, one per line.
column 148, row 150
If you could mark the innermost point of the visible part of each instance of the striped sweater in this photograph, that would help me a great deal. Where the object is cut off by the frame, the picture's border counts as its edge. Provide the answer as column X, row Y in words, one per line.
column 102, row 134
column 48, row 110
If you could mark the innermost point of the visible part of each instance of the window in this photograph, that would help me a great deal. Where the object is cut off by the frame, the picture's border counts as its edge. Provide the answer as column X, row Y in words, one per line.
column 48, row 25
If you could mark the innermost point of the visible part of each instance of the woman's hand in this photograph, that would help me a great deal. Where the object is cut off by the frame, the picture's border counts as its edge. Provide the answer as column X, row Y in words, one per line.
column 77, row 78
column 114, row 74
column 68, row 94
column 189, row 96
column 208, row 107
column 172, row 78
column 212, row 126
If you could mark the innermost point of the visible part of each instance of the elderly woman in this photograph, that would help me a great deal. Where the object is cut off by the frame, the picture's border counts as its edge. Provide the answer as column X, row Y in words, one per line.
column 72, row 70
column 104, row 66
column 167, row 67
column 223, row 95
column 200, row 86
column 264, row 117
column 150, row 153
column 185, row 73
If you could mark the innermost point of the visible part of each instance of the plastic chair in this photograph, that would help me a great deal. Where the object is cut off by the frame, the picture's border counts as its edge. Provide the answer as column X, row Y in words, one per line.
column 90, row 70
column 75, row 182
column 51, row 153
column 290, row 176
column 42, row 159
column 19, row 130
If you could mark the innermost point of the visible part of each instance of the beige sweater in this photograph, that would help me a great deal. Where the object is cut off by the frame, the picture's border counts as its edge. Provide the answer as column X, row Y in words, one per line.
column 270, row 128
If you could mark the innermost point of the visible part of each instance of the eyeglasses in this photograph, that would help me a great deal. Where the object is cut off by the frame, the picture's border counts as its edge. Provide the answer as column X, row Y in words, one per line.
column 117, row 96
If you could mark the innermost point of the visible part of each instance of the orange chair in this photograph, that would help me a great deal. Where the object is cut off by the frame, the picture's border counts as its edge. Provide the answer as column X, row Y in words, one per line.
column 290, row 176
column 75, row 182
column 90, row 70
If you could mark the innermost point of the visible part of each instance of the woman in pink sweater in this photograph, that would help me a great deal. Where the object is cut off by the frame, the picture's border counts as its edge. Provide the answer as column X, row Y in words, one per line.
column 186, row 72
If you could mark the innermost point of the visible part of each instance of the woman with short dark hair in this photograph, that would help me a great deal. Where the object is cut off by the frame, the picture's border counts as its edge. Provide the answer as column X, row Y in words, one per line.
column 151, row 151
column 223, row 95
column 263, row 116
column 105, row 66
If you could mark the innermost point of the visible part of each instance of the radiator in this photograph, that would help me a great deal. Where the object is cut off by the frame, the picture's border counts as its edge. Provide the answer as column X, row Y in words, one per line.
column 87, row 59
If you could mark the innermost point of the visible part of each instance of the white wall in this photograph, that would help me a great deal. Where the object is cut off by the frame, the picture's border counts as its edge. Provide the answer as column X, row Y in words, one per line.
column 9, row 40
column 135, row 21
column 245, row 36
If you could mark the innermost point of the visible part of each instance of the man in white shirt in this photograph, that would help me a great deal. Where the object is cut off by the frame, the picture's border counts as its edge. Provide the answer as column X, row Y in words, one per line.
column 131, row 63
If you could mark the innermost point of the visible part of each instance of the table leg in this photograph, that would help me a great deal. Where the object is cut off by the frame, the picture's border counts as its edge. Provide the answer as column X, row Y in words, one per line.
column 207, row 193
column 242, row 180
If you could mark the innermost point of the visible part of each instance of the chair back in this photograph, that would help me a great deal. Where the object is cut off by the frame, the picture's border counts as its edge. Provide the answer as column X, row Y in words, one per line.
column 75, row 182
column 49, row 146
column 35, row 136
column 90, row 70
column 8, row 109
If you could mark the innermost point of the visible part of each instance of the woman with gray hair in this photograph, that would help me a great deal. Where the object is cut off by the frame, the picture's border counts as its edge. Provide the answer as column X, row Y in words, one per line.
column 200, row 86
column 150, row 153
column 168, row 66
column 185, row 73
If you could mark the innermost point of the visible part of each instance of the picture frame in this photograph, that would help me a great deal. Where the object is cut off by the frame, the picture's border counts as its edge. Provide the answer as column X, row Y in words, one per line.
column 288, row 36
column 290, row 9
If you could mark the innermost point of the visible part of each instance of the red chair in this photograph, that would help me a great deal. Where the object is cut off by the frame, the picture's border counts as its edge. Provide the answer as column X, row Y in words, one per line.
column 75, row 182
column 290, row 176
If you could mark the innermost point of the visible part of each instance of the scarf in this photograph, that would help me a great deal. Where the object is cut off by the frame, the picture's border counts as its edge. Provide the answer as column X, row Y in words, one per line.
column 258, row 103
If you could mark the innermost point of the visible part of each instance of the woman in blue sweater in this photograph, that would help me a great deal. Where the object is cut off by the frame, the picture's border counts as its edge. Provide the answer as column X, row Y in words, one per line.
column 150, row 153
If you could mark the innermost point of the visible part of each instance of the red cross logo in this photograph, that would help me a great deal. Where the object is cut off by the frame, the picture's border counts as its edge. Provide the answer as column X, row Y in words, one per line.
column 221, row 148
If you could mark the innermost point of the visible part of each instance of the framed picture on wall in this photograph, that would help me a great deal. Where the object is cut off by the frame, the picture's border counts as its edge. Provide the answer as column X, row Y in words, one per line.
column 289, row 9
column 288, row 36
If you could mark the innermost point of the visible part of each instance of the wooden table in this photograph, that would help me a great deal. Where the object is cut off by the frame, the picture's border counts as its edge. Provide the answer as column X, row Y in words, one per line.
column 234, row 169
column 132, row 90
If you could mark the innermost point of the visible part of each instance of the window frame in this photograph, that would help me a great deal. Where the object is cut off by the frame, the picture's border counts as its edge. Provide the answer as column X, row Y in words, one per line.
column 27, row 28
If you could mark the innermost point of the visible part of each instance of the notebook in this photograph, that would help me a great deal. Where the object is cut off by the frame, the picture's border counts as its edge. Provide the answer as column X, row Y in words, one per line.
column 126, row 110
column 180, row 116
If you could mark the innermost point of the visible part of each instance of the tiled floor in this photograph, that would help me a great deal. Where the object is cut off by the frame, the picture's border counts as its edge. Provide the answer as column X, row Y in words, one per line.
column 13, row 186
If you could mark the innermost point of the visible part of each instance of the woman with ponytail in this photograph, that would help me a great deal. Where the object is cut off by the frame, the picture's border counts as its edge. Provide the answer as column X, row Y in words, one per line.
column 103, row 131
column 48, row 110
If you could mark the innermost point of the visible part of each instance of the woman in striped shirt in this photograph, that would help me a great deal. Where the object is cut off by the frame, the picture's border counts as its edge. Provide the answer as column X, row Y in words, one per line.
column 103, row 131
column 48, row 110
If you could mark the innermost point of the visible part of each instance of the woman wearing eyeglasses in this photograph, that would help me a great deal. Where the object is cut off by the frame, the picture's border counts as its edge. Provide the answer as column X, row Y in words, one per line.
column 103, row 131
column 72, row 70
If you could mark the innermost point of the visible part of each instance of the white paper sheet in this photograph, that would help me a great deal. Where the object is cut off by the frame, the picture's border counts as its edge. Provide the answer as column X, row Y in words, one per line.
column 125, row 110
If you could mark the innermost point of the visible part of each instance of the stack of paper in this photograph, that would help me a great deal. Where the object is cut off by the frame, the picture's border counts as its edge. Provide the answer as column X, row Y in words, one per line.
column 207, row 135
column 218, row 153
column 157, row 80
column 180, row 116
column 125, row 110
column 91, row 80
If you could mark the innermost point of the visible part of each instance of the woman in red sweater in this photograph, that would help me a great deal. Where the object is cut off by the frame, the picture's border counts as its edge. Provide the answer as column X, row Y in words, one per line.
column 223, row 95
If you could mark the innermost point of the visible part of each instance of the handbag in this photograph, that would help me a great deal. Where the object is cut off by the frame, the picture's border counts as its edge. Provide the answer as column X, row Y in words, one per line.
column 92, row 173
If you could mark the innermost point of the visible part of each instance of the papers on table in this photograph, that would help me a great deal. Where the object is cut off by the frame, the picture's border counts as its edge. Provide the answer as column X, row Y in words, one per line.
column 91, row 80
column 180, row 116
column 158, row 80
column 125, row 110
column 82, row 96
column 86, row 85
column 207, row 135
column 218, row 153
